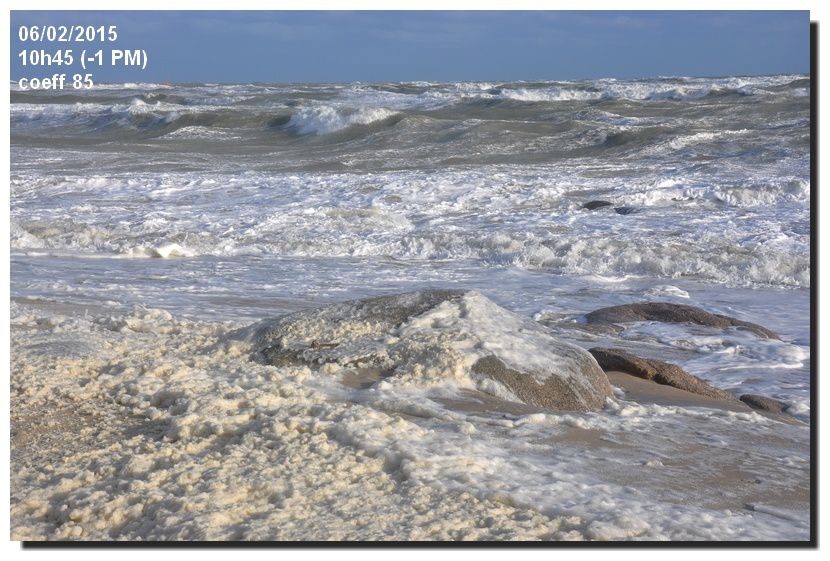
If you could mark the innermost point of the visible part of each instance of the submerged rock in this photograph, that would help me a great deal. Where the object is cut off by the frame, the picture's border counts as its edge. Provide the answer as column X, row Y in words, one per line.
column 672, row 313
column 625, row 209
column 593, row 205
column 657, row 371
column 435, row 337
column 763, row 403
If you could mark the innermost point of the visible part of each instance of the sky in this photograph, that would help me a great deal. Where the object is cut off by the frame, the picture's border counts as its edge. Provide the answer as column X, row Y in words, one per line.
column 244, row 47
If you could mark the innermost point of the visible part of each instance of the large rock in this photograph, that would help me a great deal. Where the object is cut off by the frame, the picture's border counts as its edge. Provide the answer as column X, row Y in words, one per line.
column 657, row 371
column 672, row 313
column 439, row 336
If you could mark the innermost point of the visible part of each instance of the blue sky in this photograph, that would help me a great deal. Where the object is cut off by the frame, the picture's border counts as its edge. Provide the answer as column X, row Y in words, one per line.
column 402, row 46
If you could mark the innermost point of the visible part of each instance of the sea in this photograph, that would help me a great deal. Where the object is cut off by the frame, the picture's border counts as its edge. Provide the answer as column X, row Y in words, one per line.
column 150, row 224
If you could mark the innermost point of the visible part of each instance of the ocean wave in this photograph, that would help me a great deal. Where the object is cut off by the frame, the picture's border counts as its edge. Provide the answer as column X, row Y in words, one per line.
column 552, row 94
column 454, row 122
column 713, row 259
column 161, row 117
column 139, row 118
column 634, row 92
column 743, row 195
column 516, row 216
column 643, row 90
column 326, row 119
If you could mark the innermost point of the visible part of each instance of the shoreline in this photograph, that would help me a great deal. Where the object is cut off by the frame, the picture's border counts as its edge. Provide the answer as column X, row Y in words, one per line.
column 65, row 437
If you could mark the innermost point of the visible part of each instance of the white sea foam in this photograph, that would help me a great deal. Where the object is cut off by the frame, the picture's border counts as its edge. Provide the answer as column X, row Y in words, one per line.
column 325, row 119
column 223, row 447
column 416, row 216
column 163, row 251
column 664, row 290
column 552, row 94
column 749, row 194
column 678, row 89
column 200, row 132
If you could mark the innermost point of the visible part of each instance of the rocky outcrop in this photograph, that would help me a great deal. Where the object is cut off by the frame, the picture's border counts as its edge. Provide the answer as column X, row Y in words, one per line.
column 672, row 313
column 656, row 371
column 431, row 336
column 762, row 403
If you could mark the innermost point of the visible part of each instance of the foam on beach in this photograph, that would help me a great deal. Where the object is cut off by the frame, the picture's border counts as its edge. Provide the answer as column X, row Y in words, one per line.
column 178, row 425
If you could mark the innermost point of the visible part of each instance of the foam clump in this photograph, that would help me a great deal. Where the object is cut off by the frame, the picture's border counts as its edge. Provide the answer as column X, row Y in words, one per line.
column 163, row 251
column 432, row 337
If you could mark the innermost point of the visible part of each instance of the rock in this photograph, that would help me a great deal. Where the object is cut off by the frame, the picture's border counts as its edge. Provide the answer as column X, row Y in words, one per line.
column 554, row 392
column 431, row 337
column 657, row 371
column 763, row 403
column 625, row 209
column 672, row 313
column 593, row 205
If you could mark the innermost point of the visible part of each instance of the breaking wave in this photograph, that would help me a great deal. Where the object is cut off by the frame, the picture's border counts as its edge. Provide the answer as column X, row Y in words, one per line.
column 325, row 119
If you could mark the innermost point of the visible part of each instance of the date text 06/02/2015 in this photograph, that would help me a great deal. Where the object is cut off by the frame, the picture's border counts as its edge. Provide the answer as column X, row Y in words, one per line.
column 87, row 56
